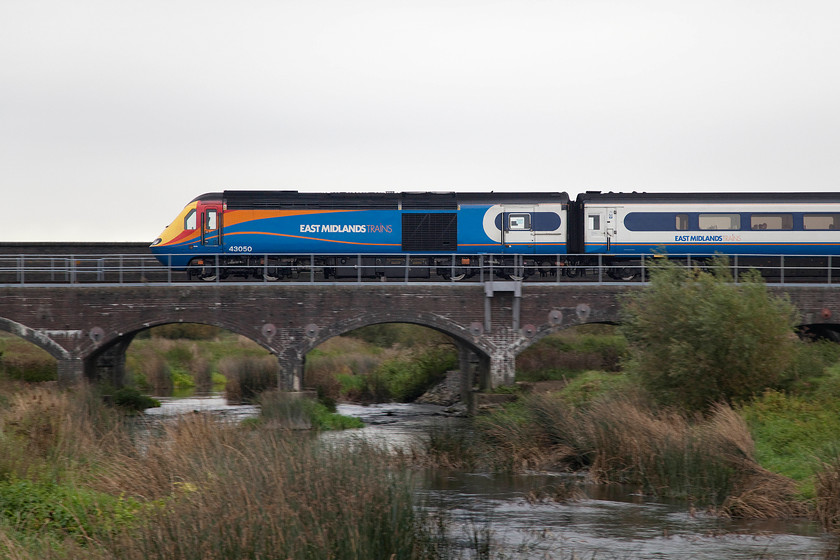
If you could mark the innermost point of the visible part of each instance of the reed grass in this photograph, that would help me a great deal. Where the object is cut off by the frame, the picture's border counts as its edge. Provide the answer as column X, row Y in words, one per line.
column 248, row 376
column 828, row 496
column 706, row 460
column 79, row 488
column 229, row 493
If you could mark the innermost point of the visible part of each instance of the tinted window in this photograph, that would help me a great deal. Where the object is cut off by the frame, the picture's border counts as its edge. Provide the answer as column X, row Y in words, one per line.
column 821, row 221
column 720, row 221
column 771, row 221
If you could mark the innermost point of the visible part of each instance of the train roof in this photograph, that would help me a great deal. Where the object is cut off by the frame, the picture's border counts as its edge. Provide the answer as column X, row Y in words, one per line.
column 380, row 201
column 727, row 197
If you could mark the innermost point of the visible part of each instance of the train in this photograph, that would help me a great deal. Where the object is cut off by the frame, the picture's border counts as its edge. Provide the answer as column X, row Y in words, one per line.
column 270, row 235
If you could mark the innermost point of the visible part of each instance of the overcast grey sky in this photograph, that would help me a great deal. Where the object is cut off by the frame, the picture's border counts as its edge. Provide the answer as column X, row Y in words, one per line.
column 115, row 113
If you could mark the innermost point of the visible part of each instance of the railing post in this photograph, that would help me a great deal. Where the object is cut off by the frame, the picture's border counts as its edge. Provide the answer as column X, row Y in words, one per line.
column 600, row 268
column 737, row 272
column 168, row 268
column 644, row 268
column 311, row 268
column 359, row 269
column 782, row 270
column 21, row 266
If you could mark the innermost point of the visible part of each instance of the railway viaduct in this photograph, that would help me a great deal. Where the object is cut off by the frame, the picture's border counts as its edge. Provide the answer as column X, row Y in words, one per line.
column 88, row 328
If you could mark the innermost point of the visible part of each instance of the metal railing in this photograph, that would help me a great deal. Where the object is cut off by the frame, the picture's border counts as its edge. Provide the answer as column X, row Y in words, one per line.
column 29, row 270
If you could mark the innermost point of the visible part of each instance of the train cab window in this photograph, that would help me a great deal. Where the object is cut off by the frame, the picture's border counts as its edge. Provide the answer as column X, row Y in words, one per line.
column 519, row 222
column 771, row 221
column 594, row 222
column 682, row 222
column 190, row 221
column 821, row 221
column 720, row 221
column 211, row 220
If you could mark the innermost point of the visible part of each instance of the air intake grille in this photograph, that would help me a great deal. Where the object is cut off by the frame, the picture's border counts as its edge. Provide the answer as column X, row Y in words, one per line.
column 430, row 232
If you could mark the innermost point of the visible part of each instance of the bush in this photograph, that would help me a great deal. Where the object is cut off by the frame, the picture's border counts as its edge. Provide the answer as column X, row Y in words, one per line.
column 697, row 338
column 131, row 399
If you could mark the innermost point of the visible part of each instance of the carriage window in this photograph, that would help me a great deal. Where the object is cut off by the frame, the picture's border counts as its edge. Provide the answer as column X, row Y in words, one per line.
column 211, row 220
column 519, row 222
column 682, row 222
column 771, row 221
column 720, row 221
column 821, row 221
column 190, row 220
column 595, row 221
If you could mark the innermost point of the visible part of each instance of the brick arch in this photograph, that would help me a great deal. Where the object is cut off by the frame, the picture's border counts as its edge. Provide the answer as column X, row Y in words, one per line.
column 130, row 330
column 105, row 358
column 38, row 338
column 423, row 319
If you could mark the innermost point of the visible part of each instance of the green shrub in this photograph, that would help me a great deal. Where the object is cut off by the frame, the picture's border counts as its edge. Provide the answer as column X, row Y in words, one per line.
column 131, row 399
column 697, row 338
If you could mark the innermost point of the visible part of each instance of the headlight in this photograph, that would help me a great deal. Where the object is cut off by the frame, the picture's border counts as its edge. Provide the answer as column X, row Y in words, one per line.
column 155, row 242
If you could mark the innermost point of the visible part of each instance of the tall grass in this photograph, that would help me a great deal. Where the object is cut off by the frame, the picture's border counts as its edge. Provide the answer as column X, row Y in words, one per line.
column 828, row 495
column 706, row 460
column 229, row 493
column 73, row 485
column 248, row 376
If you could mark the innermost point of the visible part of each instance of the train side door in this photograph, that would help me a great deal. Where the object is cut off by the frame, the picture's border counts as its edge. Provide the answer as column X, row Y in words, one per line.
column 518, row 229
column 595, row 236
column 610, row 226
column 211, row 225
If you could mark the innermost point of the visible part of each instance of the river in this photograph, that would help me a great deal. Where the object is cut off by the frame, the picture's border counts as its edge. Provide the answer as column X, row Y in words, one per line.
column 511, row 512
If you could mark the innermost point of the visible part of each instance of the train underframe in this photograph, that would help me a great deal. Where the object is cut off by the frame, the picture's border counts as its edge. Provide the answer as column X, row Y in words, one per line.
column 488, row 267
column 443, row 267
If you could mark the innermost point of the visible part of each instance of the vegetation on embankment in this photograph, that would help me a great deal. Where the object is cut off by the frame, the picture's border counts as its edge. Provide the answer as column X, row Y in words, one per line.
column 712, row 399
column 74, row 484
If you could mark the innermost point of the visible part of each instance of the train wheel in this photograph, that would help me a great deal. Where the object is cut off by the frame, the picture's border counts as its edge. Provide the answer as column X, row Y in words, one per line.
column 459, row 275
column 624, row 274
column 272, row 275
column 518, row 274
column 572, row 269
